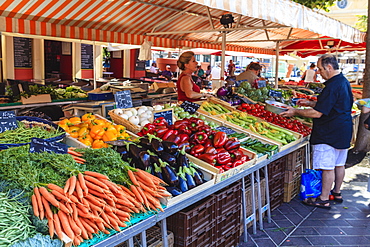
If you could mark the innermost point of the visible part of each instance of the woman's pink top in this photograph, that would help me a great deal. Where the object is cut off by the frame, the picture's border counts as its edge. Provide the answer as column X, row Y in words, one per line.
column 181, row 96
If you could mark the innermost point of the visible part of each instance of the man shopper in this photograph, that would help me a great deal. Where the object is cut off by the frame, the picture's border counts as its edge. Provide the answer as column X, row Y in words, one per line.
column 332, row 129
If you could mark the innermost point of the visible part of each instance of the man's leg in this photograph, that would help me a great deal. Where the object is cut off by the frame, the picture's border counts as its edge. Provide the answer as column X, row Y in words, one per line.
column 339, row 177
column 327, row 183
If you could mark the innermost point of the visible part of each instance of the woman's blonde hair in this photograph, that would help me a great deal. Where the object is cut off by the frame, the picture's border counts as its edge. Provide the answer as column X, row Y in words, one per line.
column 184, row 59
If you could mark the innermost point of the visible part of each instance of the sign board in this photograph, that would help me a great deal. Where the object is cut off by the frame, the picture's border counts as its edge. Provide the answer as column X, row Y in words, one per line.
column 87, row 59
column 190, row 106
column 261, row 83
column 275, row 93
column 123, row 99
column 41, row 145
column 7, row 121
column 166, row 114
column 22, row 52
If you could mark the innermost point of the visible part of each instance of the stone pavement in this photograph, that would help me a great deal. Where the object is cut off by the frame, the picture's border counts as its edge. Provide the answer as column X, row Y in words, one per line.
column 345, row 224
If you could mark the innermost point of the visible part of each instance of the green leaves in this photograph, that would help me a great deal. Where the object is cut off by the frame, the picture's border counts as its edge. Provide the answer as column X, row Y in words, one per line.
column 317, row 4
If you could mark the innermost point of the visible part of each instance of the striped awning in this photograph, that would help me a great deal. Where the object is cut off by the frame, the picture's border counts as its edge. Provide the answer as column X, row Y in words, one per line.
column 174, row 23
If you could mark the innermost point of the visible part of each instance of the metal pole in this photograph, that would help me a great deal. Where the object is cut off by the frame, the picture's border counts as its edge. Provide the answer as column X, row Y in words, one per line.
column 268, row 195
column 223, row 56
column 253, row 205
column 94, row 70
column 277, row 65
column 244, row 211
column 164, row 232
column 259, row 199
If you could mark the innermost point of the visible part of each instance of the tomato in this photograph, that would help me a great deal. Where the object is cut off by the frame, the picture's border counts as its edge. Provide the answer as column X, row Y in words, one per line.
column 331, row 197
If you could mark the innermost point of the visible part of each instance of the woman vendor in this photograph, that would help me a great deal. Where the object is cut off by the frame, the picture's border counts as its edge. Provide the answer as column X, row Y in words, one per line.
column 186, row 88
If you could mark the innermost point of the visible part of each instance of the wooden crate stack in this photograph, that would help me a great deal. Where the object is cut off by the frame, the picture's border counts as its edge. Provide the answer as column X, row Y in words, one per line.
column 295, row 162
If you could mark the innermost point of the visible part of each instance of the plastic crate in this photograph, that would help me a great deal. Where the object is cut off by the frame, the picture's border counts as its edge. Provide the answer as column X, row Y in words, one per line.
column 230, row 239
column 276, row 168
column 228, row 198
column 289, row 176
column 292, row 189
column 228, row 222
column 276, row 199
column 205, row 237
column 295, row 159
column 193, row 221
column 153, row 238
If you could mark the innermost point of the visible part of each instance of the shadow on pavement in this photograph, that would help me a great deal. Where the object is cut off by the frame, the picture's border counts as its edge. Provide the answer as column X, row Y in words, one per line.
column 354, row 157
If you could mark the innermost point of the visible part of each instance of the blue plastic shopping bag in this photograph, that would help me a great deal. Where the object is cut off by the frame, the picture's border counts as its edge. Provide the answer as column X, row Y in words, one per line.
column 310, row 184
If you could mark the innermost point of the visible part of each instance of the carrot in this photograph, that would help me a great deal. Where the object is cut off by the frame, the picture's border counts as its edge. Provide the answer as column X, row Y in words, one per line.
column 145, row 178
column 94, row 200
column 83, row 208
column 35, row 206
column 48, row 212
column 39, row 202
column 76, row 241
column 93, row 186
column 96, row 174
column 81, row 179
column 72, row 185
column 133, row 201
column 76, row 230
column 79, row 190
column 111, row 202
column 65, row 224
column 112, row 186
column 74, row 153
column 105, row 231
column 79, row 162
column 85, row 203
column 60, row 196
column 74, row 211
column 97, row 182
column 124, row 208
column 89, row 216
column 143, row 196
column 114, row 223
column 51, row 226
column 57, row 226
column 73, row 198
column 125, row 202
column 66, row 186
column 155, row 202
column 123, row 219
column 84, row 234
column 105, row 217
column 154, row 179
column 147, row 189
column 102, row 195
column 100, row 226
column 96, row 208
column 68, row 207
column 127, row 190
column 122, row 213
column 55, row 187
column 137, row 193
column 49, row 197
column 132, row 177
column 78, row 159
column 87, row 226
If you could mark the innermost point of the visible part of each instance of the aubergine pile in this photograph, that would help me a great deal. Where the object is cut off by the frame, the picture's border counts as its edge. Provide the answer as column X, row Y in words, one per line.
column 163, row 159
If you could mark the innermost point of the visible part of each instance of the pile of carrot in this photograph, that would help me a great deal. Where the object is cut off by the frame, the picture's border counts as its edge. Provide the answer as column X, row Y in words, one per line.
column 76, row 155
column 90, row 202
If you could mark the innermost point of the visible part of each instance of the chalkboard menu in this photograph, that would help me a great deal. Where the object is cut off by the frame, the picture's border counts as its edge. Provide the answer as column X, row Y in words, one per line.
column 275, row 93
column 7, row 121
column 22, row 52
column 87, row 56
column 123, row 99
column 190, row 106
column 38, row 145
column 166, row 114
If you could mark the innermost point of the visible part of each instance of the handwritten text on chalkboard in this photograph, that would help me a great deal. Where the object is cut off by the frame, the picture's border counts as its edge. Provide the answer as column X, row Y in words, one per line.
column 22, row 52
column 7, row 121
column 41, row 145
column 190, row 107
column 166, row 114
column 123, row 99
column 87, row 61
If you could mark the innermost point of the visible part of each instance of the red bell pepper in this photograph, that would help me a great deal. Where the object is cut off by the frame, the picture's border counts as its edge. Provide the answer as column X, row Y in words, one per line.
column 199, row 137
column 210, row 150
column 167, row 134
column 209, row 158
column 236, row 154
column 197, row 149
column 161, row 121
column 183, row 137
column 223, row 158
column 208, row 143
column 147, row 128
column 237, row 163
column 195, row 123
column 232, row 143
column 220, row 169
column 173, row 138
column 184, row 129
column 160, row 132
column 219, row 139
column 181, row 122
column 226, row 167
column 206, row 129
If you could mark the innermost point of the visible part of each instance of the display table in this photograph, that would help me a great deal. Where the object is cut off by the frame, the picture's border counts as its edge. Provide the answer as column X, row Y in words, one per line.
column 139, row 228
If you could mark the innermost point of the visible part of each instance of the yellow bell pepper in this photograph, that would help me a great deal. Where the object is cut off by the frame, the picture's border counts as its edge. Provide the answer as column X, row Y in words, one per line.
column 87, row 117
column 99, row 144
column 86, row 141
column 97, row 132
column 109, row 136
column 75, row 120
column 83, row 131
column 73, row 131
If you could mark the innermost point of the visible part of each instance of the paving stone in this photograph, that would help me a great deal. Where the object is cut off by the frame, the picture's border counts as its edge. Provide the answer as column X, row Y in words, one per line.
column 329, row 231
column 322, row 240
column 259, row 233
column 356, row 230
column 359, row 222
column 305, row 231
column 336, row 222
column 315, row 222
column 265, row 243
column 360, row 215
column 354, row 240
column 296, row 241
column 295, row 218
column 277, row 234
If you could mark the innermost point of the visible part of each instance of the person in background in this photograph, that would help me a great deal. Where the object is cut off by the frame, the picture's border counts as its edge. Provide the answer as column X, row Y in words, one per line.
column 215, row 76
column 200, row 72
column 310, row 74
column 187, row 90
column 208, row 72
column 154, row 69
column 167, row 74
column 332, row 129
column 251, row 73
column 302, row 69
column 231, row 68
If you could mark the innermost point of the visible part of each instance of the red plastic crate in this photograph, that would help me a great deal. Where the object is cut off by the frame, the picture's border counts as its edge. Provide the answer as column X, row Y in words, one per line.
column 228, row 198
column 193, row 220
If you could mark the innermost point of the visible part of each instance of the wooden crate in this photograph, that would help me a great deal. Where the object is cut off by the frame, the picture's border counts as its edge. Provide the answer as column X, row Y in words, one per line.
column 35, row 99
column 292, row 189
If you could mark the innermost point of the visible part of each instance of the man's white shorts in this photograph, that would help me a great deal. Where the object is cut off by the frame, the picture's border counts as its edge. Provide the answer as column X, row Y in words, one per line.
column 327, row 158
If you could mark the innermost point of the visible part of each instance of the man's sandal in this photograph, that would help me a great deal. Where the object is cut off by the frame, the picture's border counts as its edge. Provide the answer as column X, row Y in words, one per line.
column 336, row 195
column 317, row 203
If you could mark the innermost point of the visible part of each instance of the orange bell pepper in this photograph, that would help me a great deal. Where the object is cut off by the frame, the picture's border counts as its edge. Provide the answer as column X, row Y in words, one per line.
column 99, row 144
column 86, row 141
column 110, row 127
column 65, row 122
column 97, row 132
column 87, row 117
column 73, row 131
column 109, row 136
column 84, row 124
column 75, row 120
column 83, row 131
column 120, row 128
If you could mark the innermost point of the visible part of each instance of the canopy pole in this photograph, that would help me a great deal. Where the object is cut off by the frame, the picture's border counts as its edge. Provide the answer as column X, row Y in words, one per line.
column 223, row 56
column 94, row 64
column 277, row 65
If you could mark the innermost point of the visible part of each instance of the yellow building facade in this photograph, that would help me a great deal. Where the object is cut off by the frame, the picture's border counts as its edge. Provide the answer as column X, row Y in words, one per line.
column 346, row 11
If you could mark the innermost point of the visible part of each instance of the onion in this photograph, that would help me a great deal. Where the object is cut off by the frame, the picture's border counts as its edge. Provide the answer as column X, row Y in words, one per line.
column 124, row 116
column 128, row 113
column 134, row 120
column 118, row 112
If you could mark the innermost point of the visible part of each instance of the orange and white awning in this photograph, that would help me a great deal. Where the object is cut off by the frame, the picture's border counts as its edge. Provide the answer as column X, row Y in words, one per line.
column 173, row 24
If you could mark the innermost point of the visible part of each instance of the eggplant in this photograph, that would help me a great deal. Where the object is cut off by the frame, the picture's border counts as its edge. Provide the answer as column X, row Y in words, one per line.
column 144, row 142
column 144, row 157
column 197, row 178
column 174, row 191
column 157, row 171
column 154, row 159
column 170, row 147
column 169, row 175
column 182, row 160
column 182, row 181
column 189, row 178
column 156, row 146
column 169, row 158
column 134, row 150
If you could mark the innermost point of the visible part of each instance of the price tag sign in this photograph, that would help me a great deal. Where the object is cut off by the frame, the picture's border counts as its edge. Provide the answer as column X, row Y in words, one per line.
column 41, row 145
column 261, row 83
column 190, row 106
column 275, row 93
column 166, row 114
column 123, row 99
column 7, row 121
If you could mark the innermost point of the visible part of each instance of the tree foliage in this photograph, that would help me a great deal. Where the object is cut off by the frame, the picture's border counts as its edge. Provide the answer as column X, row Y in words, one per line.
column 361, row 23
column 317, row 4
